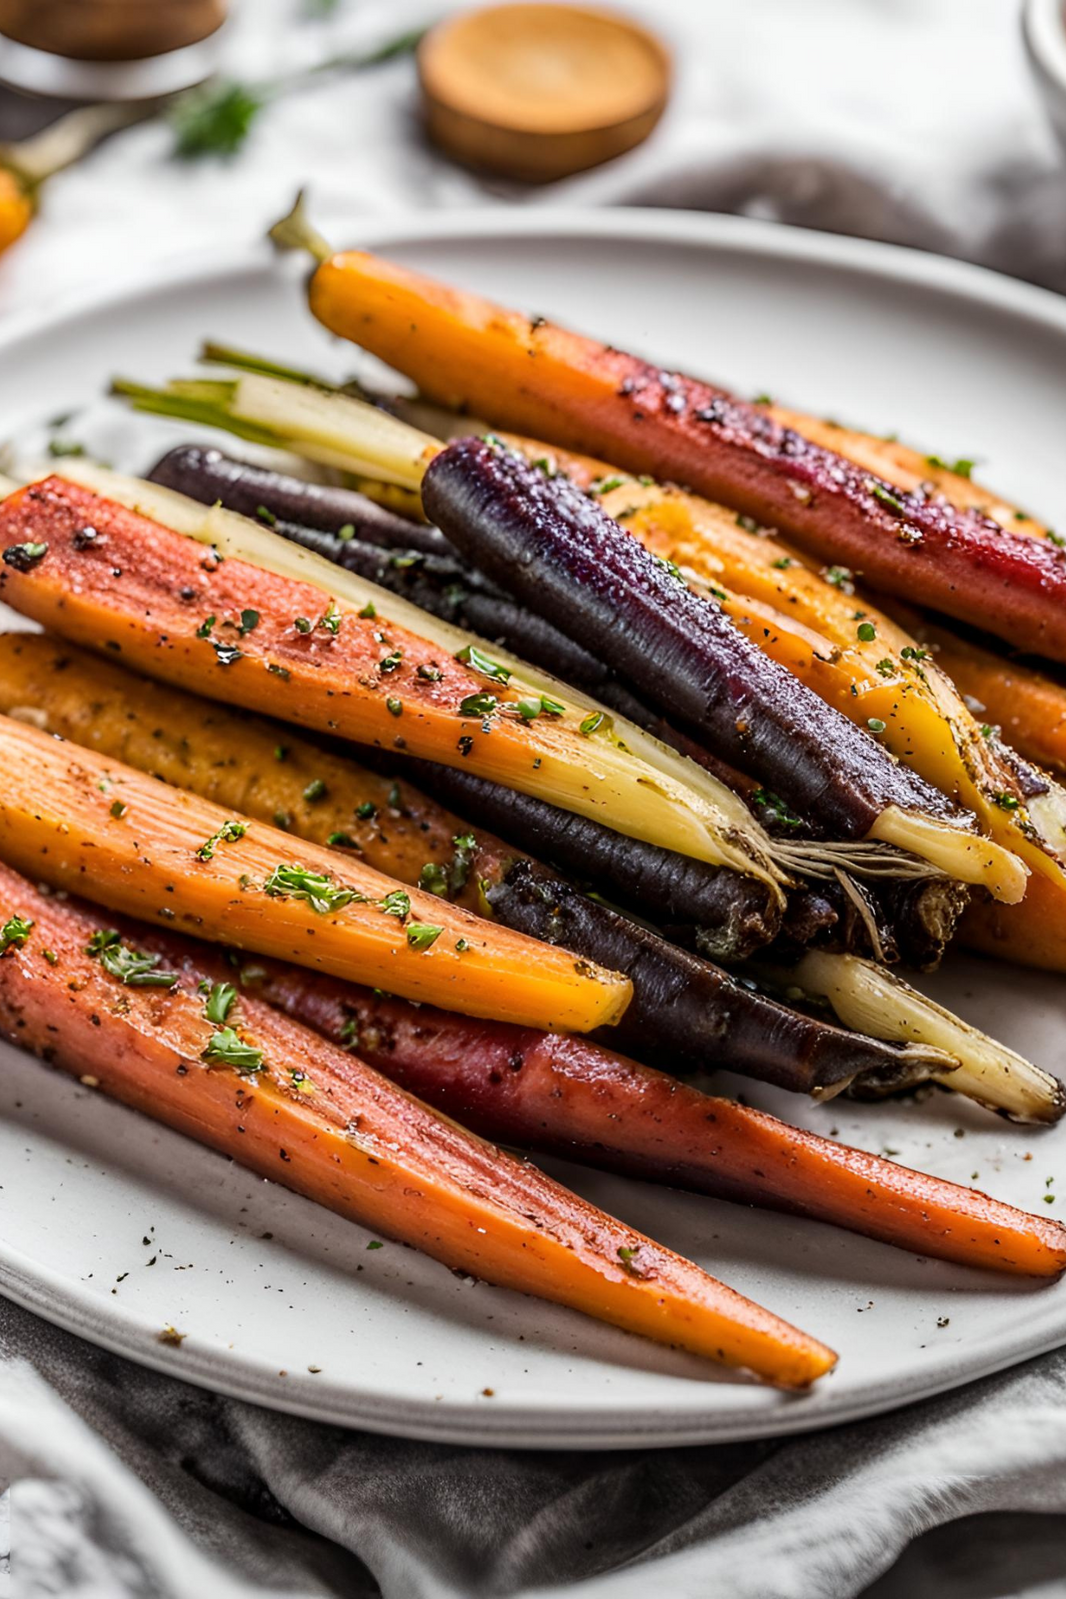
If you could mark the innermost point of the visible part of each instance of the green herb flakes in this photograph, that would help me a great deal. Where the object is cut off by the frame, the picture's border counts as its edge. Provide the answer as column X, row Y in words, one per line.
column 226, row 1048
column 220, row 1002
column 228, row 833
column 473, row 657
column 14, row 933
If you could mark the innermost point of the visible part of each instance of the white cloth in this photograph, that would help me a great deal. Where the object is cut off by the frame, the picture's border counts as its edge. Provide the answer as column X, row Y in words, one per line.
column 913, row 120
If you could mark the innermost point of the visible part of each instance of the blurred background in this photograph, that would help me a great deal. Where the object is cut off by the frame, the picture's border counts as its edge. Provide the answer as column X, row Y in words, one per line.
column 927, row 122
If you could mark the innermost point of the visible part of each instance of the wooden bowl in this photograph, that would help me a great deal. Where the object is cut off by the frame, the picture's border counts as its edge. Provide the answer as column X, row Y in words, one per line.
column 537, row 92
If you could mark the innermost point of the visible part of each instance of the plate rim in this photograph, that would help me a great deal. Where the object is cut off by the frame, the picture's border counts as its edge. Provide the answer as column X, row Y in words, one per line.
column 57, row 1300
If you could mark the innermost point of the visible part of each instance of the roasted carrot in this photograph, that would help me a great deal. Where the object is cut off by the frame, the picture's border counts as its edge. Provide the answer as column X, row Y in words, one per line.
column 572, row 1097
column 235, row 1074
column 247, row 634
column 16, row 208
column 1034, row 934
column 910, row 469
column 1027, row 705
column 80, row 821
column 854, row 656
column 684, row 1010
column 844, row 649
column 561, row 554
column 468, row 353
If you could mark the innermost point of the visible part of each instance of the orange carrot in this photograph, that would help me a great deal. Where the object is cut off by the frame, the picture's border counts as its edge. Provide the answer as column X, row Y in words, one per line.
column 572, row 1097
column 1026, row 704
column 238, row 1076
column 260, row 638
column 80, row 821
column 536, row 377
column 16, row 209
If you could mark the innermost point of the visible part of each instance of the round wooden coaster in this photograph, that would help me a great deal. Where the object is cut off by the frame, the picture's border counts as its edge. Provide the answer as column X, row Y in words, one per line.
column 537, row 92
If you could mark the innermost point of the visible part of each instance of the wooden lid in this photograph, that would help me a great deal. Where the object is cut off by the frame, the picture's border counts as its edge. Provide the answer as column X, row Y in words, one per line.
column 537, row 92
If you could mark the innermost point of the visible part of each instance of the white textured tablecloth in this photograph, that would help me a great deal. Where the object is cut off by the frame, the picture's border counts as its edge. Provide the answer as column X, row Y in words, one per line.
column 911, row 120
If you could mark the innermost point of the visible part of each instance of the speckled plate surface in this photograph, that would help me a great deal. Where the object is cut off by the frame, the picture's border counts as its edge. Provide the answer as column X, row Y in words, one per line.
column 116, row 1228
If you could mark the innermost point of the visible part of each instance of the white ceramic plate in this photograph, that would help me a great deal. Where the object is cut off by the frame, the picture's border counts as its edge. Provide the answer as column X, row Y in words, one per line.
column 116, row 1228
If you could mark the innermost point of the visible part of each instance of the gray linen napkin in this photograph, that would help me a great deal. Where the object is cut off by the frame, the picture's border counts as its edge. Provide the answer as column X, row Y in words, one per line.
column 130, row 1485
column 911, row 120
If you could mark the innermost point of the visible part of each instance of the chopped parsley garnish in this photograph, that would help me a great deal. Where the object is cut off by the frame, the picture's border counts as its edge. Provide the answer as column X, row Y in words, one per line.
column 464, row 845
column 433, row 879
column 346, row 533
column 14, row 933
column 219, row 1003
column 50, row 956
column 875, row 724
column 962, row 467
column 315, row 790
column 302, row 624
column 249, row 620
column 461, row 944
column 866, row 631
column 283, row 819
column 397, row 903
column 204, row 630
column 228, row 1049
column 472, row 656
column 331, row 619
column 321, row 893
column 1006, row 802
column 669, row 566
column 24, row 557
column 887, row 667
column 279, row 671
column 228, row 833
column 394, row 706
column 58, row 448
column 628, row 1253
column 914, row 652
column 775, row 808
column 366, row 810
column 391, row 662
column 591, row 723
column 783, row 564
column 281, row 752
column 748, row 523
column 118, row 809
column 431, row 674
column 266, row 516
column 538, row 705
column 478, row 705
column 1057, row 539
column 602, row 485
column 885, row 497
column 841, row 577
column 131, row 968
column 420, row 935
column 341, row 841
column 369, row 611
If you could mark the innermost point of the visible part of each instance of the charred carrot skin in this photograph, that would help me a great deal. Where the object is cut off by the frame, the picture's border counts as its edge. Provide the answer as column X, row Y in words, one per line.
column 537, row 378
column 571, row 1097
column 318, row 1119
